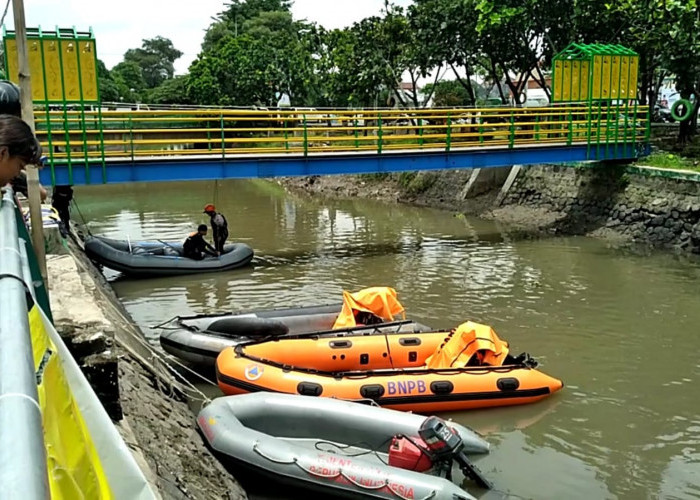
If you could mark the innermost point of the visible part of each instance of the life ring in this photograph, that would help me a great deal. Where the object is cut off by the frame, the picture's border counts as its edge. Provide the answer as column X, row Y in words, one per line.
column 688, row 110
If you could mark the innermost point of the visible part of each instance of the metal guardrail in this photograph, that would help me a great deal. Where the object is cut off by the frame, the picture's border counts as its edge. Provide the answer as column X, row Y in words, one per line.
column 88, row 138
column 23, row 471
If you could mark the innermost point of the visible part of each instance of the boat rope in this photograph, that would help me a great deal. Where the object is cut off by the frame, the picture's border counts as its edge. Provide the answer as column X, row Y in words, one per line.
column 82, row 217
column 340, row 473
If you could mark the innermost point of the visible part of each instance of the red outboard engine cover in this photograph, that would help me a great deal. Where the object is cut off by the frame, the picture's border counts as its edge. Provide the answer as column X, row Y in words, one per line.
column 406, row 455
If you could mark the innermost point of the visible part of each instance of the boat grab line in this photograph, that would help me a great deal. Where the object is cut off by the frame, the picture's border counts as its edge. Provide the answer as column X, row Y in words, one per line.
column 339, row 473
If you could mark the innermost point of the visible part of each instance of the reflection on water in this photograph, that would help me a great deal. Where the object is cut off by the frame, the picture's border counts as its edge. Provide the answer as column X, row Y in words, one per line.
column 621, row 330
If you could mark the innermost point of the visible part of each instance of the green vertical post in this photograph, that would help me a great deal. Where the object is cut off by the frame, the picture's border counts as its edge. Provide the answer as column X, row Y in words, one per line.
column 570, row 133
column 82, row 108
column 306, row 138
column 607, row 121
column 49, row 133
column 590, row 106
column 380, row 134
column 537, row 128
column 66, row 124
column 448, row 138
column 223, row 137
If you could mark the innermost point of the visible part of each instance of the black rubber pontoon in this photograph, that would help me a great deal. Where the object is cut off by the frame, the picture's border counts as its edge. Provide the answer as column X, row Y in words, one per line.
column 156, row 258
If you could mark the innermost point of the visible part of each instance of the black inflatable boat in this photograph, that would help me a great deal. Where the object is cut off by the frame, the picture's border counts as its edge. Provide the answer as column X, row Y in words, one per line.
column 200, row 339
column 161, row 258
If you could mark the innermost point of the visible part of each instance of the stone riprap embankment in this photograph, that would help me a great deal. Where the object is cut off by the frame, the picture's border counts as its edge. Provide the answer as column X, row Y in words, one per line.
column 659, row 208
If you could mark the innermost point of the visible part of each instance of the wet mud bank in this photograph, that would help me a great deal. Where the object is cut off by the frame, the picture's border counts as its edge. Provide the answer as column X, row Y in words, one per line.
column 149, row 405
column 627, row 206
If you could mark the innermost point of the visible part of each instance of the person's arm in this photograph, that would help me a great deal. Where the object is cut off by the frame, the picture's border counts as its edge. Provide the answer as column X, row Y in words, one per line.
column 211, row 250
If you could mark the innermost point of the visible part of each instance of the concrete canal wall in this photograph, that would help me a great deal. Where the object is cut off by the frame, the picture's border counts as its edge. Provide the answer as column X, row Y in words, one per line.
column 624, row 204
column 147, row 403
column 659, row 208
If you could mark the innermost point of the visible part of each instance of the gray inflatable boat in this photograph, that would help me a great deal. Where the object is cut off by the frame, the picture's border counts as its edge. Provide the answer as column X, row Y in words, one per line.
column 200, row 339
column 329, row 446
column 161, row 258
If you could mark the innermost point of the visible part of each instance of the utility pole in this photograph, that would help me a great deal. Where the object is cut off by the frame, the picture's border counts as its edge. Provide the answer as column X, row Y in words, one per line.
column 25, row 86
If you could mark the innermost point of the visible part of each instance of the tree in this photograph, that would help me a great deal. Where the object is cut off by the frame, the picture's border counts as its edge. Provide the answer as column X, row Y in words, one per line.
column 109, row 90
column 272, row 55
column 171, row 91
column 129, row 79
column 452, row 93
column 231, row 22
column 156, row 58
column 444, row 31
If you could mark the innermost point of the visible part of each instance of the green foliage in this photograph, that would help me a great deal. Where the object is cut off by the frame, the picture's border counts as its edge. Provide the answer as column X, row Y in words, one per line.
column 663, row 159
column 415, row 183
column 109, row 90
column 266, row 54
column 451, row 93
column 155, row 58
column 171, row 91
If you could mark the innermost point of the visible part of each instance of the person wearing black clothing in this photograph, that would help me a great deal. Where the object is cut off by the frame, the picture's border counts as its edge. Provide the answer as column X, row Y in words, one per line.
column 219, row 227
column 60, row 200
column 195, row 246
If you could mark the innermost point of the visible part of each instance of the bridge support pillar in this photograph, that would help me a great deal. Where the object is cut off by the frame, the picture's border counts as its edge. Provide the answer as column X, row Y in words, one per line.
column 514, row 171
column 469, row 185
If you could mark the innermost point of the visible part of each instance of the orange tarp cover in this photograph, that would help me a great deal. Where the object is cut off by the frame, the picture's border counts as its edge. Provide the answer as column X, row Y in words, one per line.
column 379, row 300
column 468, row 340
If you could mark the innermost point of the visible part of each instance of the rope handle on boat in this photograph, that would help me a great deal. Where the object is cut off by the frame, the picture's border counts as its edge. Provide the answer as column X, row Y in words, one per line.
column 339, row 473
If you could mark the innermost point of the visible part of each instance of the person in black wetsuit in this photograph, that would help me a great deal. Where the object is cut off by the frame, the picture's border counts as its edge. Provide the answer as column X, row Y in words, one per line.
column 60, row 200
column 195, row 247
column 219, row 227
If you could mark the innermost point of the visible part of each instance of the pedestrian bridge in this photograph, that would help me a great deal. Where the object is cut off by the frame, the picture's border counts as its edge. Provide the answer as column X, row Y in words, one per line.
column 101, row 146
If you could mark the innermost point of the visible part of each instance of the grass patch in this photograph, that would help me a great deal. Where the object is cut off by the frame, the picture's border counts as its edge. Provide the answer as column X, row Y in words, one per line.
column 664, row 159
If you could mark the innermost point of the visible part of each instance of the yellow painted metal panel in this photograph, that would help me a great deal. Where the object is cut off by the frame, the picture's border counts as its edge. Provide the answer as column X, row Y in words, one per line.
column 575, row 80
column 585, row 75
column 52, row 66
column 11, row 55
column 606, row 74
column 615, row 77
column 566, row 83
column 634, row 65
column 69, row 55
column 558, row 78
column 624, row 77
column 597, row 76
column 88, row 70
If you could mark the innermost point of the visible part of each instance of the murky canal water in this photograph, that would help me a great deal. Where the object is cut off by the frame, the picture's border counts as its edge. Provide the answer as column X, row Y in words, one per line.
column 621, row 330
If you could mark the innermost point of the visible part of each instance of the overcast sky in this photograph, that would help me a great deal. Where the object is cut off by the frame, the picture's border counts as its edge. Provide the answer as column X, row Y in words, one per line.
column 120, row 25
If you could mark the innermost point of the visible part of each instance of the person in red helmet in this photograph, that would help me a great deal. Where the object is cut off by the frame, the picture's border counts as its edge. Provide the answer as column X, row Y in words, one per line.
column 219, row 227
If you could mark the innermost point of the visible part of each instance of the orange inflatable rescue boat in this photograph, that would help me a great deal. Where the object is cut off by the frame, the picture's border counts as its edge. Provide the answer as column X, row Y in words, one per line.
column 469, row 367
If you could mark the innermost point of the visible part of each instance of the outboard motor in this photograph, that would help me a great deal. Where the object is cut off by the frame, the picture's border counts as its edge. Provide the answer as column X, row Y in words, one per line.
column 438, row 445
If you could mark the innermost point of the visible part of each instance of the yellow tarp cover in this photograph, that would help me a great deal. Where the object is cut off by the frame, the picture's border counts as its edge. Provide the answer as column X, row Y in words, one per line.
column 379, row 300
column 468, row 340
column 74, row 468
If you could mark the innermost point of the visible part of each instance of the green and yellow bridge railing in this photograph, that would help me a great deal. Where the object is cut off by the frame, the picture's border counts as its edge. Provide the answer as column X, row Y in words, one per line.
column 87, row 137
